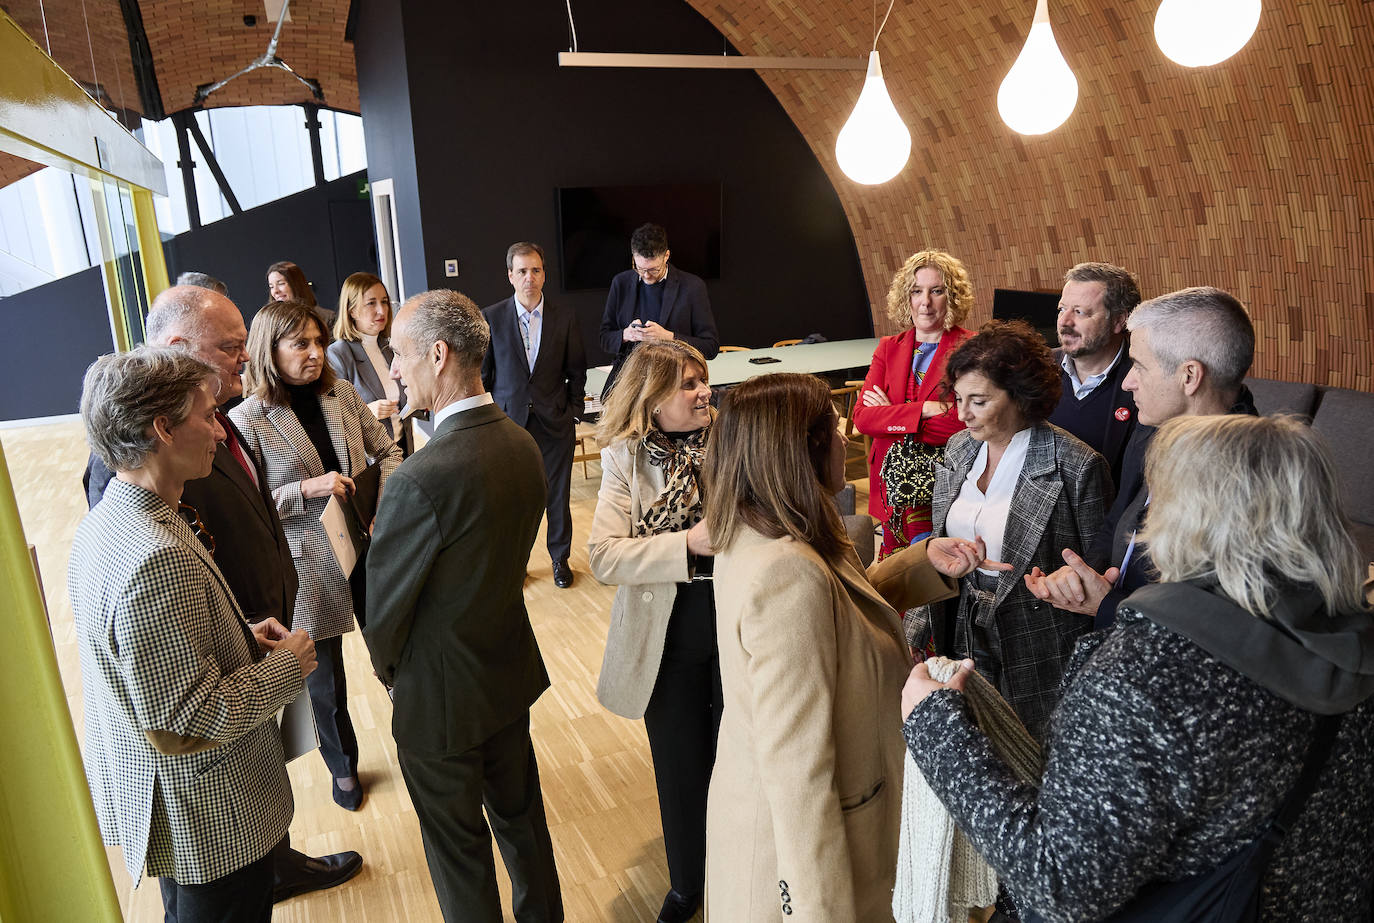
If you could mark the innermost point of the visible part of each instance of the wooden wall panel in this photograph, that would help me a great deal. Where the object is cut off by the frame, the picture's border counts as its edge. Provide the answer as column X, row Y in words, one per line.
column 1253, row 175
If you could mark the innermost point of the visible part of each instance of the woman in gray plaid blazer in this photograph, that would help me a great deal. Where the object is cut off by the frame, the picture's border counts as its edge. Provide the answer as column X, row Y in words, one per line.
column 1030, row 490
column 313, row 433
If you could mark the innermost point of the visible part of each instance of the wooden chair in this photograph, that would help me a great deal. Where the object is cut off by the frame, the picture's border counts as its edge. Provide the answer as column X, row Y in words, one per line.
column 734, row 349
column 582, row 435
column 786, row 343
column 845, row 398
column 849, row 420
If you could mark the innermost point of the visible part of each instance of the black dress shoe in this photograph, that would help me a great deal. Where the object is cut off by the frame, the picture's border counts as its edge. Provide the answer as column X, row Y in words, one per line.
column 678, row 909
column 350, row 800
column 315, row 874
column 562, row 575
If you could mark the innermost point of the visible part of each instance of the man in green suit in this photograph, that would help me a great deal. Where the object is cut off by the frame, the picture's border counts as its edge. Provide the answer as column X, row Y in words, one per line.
column 447, row 626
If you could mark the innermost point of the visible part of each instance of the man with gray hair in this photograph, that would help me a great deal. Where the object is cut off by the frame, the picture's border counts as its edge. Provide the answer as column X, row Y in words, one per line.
column 203, row 280
column 235, row 506
column 1189, row 352
column 1092, row 357
column 182, row 754
column 447, row 626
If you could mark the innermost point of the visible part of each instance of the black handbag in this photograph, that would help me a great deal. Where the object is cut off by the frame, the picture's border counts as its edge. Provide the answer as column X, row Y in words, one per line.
column 908, row 473
column 1230, row 893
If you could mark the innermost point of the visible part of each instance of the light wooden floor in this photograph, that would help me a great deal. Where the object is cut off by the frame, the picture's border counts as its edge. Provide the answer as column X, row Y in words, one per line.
column 595, row 769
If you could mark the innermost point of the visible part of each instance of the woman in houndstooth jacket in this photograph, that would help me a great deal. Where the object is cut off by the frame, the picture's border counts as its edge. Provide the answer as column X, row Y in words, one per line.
column 313, row 434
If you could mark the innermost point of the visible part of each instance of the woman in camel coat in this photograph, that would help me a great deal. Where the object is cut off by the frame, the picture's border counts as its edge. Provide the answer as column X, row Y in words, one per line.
column 802, row 819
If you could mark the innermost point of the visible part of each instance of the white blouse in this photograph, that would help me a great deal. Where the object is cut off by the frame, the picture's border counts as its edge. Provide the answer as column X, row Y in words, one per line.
column 975, row 514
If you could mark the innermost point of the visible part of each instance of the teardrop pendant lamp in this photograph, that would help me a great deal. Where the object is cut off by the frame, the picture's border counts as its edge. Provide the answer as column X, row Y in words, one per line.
column 874, row 143
column 1039, row 92
column 1200, row 33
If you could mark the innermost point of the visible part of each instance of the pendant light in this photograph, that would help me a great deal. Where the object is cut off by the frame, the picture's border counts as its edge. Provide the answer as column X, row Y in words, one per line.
column 874, row 144
column 1039, row 92
column 1199, row 33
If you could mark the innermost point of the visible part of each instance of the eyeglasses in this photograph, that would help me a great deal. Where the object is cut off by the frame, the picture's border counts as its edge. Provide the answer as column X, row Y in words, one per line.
column 650, row 273
column 192, row 518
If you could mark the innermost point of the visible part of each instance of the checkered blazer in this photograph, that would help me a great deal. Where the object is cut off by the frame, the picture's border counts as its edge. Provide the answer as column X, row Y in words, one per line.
column 182, row 756
column 324, row 606
column 1059, row 501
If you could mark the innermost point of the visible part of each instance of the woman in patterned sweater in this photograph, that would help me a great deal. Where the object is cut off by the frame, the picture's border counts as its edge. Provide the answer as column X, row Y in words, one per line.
column 1184, row 727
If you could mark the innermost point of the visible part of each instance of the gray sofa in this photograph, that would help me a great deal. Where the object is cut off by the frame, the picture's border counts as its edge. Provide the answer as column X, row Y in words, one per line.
column 1346, row 419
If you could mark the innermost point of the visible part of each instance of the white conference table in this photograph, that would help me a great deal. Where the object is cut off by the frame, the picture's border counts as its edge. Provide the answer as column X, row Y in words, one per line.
column 734, row 367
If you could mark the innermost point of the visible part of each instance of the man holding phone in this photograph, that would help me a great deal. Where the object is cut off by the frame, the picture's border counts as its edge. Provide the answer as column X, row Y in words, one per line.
column 655, row 301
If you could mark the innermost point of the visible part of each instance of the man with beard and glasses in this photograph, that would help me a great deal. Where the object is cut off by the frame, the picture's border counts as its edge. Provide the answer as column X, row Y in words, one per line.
column 1092, row 354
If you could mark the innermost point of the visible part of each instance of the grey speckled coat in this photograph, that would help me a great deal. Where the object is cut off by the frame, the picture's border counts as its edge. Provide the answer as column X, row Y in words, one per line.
column 1162, row 761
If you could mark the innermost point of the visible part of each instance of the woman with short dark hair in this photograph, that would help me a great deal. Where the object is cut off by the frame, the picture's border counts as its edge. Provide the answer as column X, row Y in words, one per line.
column 314, row 435
column 1029, row 490
column 1185, row 726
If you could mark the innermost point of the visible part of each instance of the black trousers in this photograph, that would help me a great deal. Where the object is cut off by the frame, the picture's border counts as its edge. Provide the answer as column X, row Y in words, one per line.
column 449, row 791
column 329, row 699
column 242, row 896
column 682, row 722
column 557, row 450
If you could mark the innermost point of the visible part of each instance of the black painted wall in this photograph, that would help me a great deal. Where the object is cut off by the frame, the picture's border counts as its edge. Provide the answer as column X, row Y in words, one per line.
column 326, row 230
column 53, row 333
column 464, row 104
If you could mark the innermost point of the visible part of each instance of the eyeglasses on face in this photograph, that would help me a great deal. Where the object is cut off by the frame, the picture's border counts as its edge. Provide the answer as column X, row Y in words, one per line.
column 650, row 273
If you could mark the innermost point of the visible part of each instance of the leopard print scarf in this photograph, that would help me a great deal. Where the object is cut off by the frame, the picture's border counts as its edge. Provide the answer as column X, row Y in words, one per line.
column 678, row 507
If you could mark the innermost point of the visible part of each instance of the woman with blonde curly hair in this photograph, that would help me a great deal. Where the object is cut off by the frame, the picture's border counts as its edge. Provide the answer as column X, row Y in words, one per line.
column 902, row 404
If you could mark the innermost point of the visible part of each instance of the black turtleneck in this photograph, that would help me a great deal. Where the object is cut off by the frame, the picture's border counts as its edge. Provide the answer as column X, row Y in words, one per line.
column 305, row 402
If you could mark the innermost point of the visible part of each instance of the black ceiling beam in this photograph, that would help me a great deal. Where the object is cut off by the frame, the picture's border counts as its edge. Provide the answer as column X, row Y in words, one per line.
column 210, row 161
column 141, row 57
column 351, row 23
column 187, row 166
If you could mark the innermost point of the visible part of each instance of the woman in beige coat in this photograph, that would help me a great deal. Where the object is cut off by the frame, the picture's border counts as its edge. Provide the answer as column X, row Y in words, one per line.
column 803, row 815
column 647, row 536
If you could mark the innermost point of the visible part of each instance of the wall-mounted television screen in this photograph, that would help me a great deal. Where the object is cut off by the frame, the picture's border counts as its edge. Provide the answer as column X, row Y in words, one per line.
column 1039, row 309
column 595, row 223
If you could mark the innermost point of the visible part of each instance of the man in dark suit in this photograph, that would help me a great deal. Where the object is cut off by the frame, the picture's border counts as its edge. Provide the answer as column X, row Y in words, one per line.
column 238, row 511
column 1189, row 351
column 536, row 369
column 1093, row 359
column 655, row 301
column 447, row 626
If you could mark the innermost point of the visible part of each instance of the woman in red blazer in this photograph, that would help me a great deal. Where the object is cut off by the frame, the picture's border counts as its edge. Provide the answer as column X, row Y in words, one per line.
column 930, row 296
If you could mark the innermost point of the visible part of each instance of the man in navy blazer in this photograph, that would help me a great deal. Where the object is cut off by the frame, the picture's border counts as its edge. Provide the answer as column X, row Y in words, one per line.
column 655, row 301
column 536, row 371
column 1094, row 357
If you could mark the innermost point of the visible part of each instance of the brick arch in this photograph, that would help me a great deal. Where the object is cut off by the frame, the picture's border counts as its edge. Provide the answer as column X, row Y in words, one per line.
column 1254, row 175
